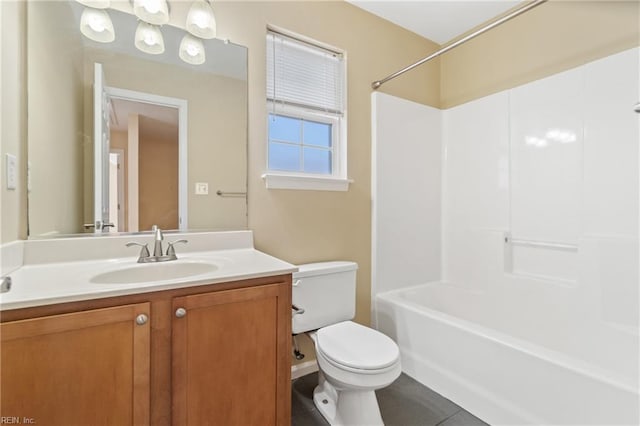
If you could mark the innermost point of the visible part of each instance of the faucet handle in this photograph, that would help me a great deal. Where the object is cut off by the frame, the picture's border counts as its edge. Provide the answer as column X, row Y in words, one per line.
column 144, row 251
column 170, row 250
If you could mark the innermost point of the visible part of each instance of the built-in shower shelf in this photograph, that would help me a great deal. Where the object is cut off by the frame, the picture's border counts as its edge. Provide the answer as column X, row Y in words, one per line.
column 541, row 244
column 542, row 260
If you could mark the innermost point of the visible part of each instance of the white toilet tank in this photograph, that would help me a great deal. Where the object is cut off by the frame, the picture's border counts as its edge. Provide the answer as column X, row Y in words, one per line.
column 327, row 293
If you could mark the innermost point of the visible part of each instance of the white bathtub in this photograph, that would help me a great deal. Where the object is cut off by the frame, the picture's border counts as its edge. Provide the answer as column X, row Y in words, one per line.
column 512, row 364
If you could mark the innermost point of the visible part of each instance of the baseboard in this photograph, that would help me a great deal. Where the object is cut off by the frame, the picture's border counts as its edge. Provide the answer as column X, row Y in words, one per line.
column 303, row 369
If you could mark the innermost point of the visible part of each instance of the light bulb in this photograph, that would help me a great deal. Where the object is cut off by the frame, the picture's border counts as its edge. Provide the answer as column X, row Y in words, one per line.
column 149, row 39
column 96, row 25
column 192, row 50
column 152, row 6
column 201, row 21
column 154, row 12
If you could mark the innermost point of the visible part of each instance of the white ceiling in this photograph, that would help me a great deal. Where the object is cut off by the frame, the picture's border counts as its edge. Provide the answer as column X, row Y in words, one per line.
column 439, row 21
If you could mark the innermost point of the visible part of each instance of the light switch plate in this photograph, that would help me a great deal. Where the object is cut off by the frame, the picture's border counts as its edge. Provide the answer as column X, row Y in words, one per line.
column 202, row 188
column 12, row 171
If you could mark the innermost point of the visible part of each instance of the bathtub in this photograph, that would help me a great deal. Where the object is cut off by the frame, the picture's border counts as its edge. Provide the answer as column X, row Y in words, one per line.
column 544, row 368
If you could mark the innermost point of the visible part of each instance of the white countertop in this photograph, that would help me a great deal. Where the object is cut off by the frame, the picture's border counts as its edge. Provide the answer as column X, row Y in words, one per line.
column 48, row 283
column 45, row 284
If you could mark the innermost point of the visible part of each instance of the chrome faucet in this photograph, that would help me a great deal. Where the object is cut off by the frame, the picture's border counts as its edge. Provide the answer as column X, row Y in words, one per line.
column 158, row 255
column 157, row 241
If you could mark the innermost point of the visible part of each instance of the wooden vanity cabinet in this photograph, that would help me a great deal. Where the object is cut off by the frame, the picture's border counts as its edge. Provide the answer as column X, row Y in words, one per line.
column 226, row 357
column 81, row 368
column 207, row 355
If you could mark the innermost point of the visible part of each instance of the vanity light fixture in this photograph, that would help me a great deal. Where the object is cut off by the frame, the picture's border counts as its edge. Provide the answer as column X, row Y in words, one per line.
column 154, row 12
column 200, row 20
column 96, row 4
column 192, row 50
column 149, row 39
column 96, row 25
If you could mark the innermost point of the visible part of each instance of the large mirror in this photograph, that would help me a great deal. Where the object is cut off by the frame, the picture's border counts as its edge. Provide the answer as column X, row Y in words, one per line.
column 120, row 139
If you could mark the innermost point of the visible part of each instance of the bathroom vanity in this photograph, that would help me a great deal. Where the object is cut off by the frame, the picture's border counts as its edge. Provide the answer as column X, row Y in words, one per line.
column 212, row 348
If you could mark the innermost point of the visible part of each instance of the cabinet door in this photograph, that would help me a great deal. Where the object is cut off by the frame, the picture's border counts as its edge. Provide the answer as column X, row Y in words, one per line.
column 82, row 368
column 230, row 359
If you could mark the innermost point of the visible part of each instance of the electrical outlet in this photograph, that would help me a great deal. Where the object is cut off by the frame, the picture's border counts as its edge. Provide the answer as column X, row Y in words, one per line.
column 202, row 188
column 12, row 171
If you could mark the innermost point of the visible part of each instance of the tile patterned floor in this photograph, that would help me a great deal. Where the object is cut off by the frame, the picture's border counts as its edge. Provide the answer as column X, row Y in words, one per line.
column 405, row 403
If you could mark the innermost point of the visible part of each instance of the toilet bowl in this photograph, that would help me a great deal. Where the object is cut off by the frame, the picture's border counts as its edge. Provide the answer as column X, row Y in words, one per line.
column 353, row 360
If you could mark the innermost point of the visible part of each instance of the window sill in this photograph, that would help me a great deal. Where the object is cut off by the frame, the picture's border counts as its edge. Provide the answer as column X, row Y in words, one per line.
column 309, row 183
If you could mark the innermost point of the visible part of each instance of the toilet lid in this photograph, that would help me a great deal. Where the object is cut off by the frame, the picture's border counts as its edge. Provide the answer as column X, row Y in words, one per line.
column 356, row 346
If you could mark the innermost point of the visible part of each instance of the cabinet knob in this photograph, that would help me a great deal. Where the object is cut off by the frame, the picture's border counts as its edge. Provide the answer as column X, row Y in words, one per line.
column 181, row 312
column 142, row 319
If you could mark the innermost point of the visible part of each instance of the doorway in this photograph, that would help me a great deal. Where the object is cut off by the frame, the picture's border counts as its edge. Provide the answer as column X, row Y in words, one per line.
column 150, row 132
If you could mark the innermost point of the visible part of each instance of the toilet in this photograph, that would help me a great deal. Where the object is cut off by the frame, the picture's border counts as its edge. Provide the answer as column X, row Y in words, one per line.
column 353, row 360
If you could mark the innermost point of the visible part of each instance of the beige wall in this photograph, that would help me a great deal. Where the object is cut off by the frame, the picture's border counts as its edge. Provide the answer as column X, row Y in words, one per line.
column 553, row 37
column 13, row 203
column 55, row 110
column 307, row 226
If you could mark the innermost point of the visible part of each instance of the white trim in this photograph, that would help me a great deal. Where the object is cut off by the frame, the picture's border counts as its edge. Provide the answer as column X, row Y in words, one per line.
column 120, row 153
column 305, row 39
column 182, row 106
column 300, row 370
column 305, row 182
column 373, row 289
column 101, row 137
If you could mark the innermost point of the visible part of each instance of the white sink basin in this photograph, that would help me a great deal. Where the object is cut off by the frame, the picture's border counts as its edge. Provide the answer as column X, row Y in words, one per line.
column 148, row 272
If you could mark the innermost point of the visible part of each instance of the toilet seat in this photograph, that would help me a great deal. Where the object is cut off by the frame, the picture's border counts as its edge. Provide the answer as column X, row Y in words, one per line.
column 354, row 347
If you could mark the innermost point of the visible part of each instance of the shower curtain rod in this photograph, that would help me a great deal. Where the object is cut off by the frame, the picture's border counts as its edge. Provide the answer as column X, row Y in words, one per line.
column 376, row 84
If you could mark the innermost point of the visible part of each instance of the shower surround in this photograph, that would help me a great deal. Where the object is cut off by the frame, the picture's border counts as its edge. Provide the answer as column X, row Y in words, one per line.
column 505, row 245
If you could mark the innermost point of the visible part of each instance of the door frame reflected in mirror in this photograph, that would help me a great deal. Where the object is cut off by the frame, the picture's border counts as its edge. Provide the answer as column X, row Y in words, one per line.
column 181, row 105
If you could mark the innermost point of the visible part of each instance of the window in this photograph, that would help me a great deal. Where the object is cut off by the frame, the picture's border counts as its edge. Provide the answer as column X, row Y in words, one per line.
column 306, row 115
column 300, row 145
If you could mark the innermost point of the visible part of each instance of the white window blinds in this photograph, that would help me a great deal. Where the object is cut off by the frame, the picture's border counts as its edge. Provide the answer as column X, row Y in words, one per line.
column 304, row 75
